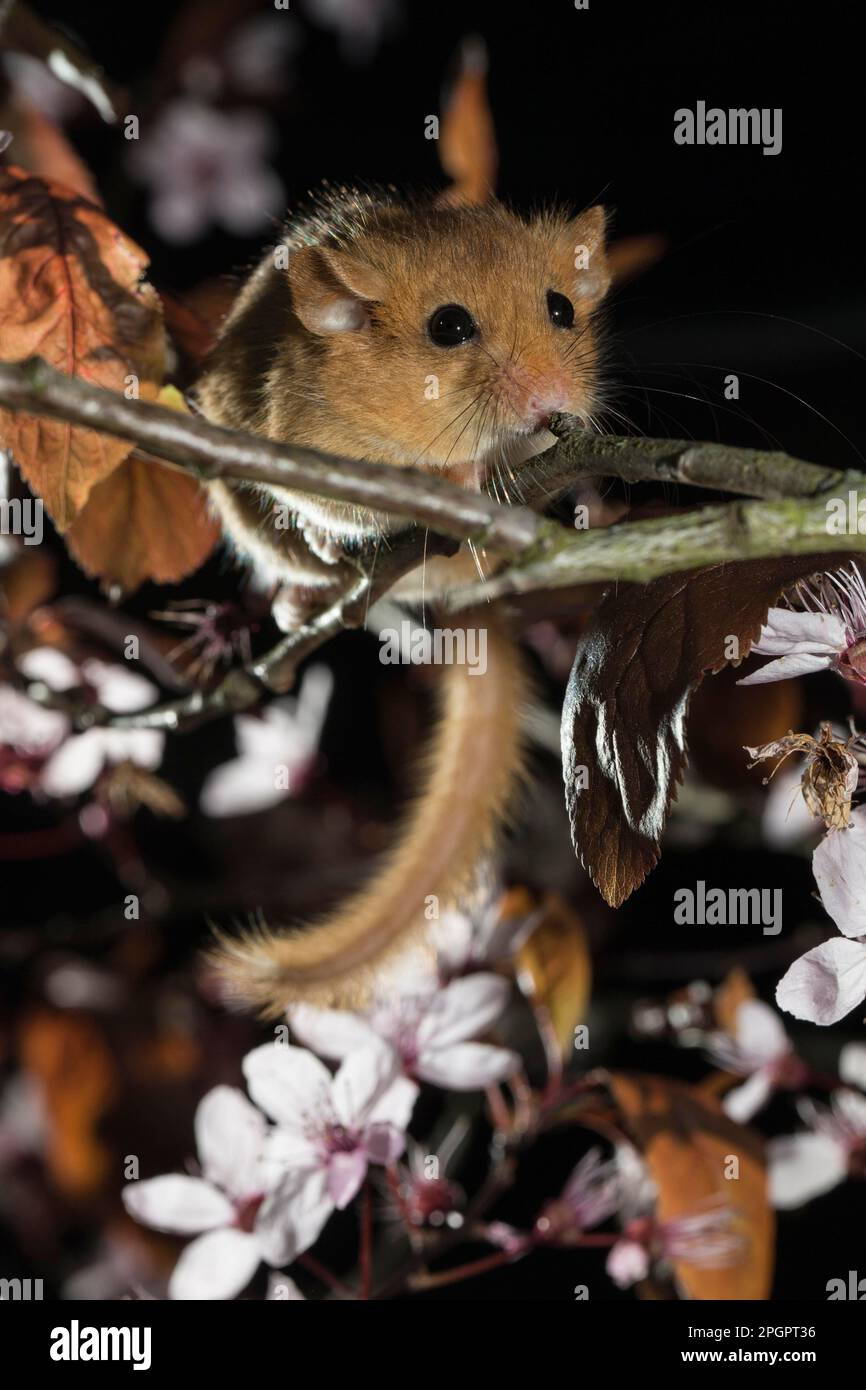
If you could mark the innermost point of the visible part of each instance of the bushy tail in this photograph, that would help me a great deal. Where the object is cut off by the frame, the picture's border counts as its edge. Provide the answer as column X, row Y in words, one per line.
column 472, row 766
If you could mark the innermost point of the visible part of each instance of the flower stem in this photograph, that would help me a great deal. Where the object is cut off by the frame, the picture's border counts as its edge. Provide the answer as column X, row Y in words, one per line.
column 366, row 1247
column 323, row 1274
column 423, row 1280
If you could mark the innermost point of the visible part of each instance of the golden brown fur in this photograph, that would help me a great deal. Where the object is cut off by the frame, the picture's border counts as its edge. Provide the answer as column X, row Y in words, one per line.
column 472, row 764
column 327, row 345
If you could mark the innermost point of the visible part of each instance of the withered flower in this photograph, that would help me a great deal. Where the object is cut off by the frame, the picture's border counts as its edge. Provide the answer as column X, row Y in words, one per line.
column 830, row 776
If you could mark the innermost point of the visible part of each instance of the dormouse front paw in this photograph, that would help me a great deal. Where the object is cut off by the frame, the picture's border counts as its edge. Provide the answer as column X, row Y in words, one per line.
column 294, row 604
column 323, row 544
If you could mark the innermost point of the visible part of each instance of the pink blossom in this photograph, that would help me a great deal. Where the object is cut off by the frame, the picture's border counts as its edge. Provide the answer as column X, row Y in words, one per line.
column 33, row 81
column 852, row 1065
column 238, row 1223
column 479, row 936
column 80, row 758
column 29, row 735
column 761, row 1051
column 427, row 1033
column 592, row 1194
column 426, row 1196
column 361, row 24
column 803, row 1166
column 709, row 1239
column 829, row 981
column 329, row 1129
column 829, row 632
column 206, row 166
column 275, row 751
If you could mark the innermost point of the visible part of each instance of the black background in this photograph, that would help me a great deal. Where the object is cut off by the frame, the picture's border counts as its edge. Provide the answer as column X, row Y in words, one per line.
column 762, row 278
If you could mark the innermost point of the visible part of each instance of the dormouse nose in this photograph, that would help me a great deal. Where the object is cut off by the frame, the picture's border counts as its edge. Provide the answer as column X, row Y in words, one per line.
column 536, row 396
column 542, row 403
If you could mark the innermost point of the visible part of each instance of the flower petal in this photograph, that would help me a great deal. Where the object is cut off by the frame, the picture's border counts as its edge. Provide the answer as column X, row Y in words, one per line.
column 362, row 1081
column 383, row 1143
column 330, row 1032
column 786, row 818
column 395, row 1106
column 121, row 690
column 291, row 1218
column 852, row 1064
column 851, row 1109
column 50, row 666
column 760, row 1032
column 627, row 1262
column 75, row 766
column 803, row 1166
column 468, row 1066
column 177, row 1203
column 463, row 1009
column 785, row 667
column 346, row 1173
column 288, row 1150
column 241, row 787
column 786, row 631
column 839, row 866
column 288, row 1083
column 452, row 935
column 229, row 1135
column 744, row 1101
column 216, row 1266
column 826, row 983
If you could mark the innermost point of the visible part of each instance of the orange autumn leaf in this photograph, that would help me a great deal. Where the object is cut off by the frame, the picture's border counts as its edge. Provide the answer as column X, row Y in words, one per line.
column 69, row 1059
column 734, row 990
column 29, row 581
column 554, row 969
column 144, row 521
column 630, row 256
column 41, row 147
column 467, row 138
column 689, row 1145
column 71, row 291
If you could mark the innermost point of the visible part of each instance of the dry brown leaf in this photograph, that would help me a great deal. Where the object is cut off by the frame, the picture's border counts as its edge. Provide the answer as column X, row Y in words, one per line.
column 71, row 291
column 554, row 969
column 467, row 138
column 191, row 334
column 27, row 582
column 69, row 1059
column 734, row 990
column 687, row 1141
column 145, row 521
column 635, row 671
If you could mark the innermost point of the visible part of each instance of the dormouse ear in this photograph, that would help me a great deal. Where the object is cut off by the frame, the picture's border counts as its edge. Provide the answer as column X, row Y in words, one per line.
column 583, row 242
column 332, row 289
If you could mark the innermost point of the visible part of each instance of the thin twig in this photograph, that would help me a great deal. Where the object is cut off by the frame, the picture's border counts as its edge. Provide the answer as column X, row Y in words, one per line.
column 752, row 472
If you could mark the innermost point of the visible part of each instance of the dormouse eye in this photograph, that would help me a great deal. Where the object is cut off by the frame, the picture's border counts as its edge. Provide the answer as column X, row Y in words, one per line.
column 451, row 325
column 560, row 309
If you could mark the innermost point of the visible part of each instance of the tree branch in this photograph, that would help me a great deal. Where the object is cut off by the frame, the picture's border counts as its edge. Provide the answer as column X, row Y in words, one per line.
column 753, row 472
column 790, row 518
column 638, row 551
column 211, row 451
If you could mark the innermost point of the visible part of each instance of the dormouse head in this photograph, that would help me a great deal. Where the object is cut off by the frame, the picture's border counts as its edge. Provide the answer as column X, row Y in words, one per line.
column 447, row 337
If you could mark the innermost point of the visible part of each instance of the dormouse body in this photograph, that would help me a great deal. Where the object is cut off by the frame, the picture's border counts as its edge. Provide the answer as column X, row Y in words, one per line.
column 414, row 336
